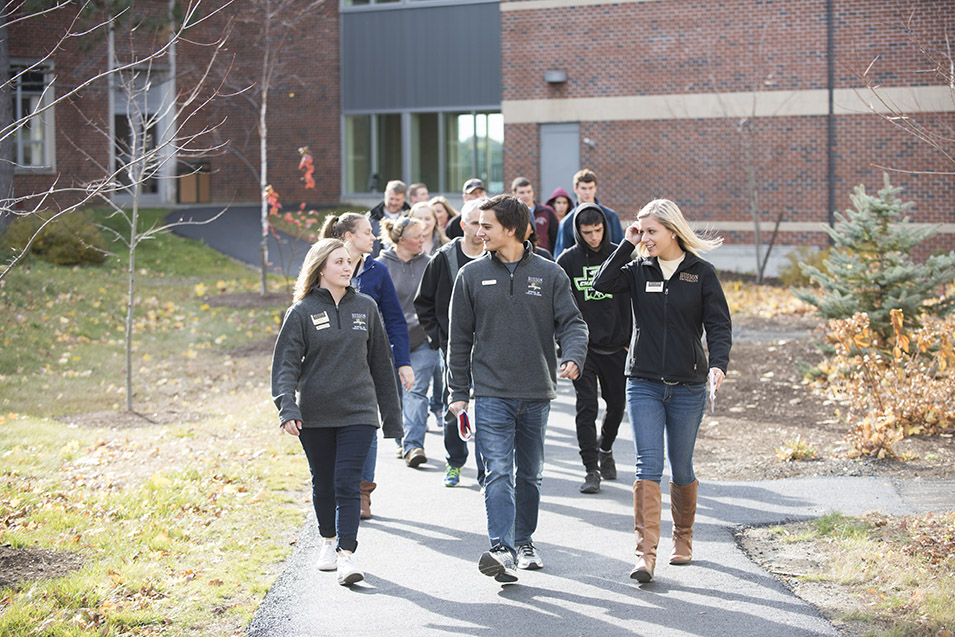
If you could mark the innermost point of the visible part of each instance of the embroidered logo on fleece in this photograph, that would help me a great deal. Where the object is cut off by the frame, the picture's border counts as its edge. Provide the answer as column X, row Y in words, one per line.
column 534, row 285
column 320, row 321
column 689, row 278
column 585, row 283
column 359, row 322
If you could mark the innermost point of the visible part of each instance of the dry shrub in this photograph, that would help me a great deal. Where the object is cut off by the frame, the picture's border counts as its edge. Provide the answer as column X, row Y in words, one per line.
column 894, row 389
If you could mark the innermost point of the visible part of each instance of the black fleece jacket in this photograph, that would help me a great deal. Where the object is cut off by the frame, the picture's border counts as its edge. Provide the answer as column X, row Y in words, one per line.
column 607, row 315
column 433, row 300
column 669, row 316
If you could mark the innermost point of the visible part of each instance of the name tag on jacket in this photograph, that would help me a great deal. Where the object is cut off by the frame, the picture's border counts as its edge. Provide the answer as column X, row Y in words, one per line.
column 489, row 282
column 654, row 286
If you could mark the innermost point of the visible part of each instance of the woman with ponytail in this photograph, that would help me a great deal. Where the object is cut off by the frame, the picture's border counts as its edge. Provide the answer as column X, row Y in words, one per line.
column 372, row 278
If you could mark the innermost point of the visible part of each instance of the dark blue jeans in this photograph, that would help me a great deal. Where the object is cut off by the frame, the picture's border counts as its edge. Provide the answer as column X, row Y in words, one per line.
column 511, row 432
column 335, row 458
column 456, row 450
column 658, row 409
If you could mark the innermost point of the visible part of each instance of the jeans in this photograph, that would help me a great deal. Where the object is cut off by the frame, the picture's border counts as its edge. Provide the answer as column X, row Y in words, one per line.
column 657, row 408
column 609, row 370
column 456, row 450
column 511, row 431
column 439, row 391
column 371, row 462
column 335, row 458
column 414, row 409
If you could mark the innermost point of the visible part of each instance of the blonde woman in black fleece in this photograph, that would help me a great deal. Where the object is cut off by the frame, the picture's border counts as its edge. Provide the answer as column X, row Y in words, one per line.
column 674, row 296
column 331, row 371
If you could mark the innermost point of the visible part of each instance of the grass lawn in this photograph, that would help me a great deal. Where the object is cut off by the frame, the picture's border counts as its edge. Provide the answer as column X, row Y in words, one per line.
column 182, row 522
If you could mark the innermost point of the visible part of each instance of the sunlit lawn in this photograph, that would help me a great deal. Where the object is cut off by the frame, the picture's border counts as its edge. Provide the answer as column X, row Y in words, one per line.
column 182, row 526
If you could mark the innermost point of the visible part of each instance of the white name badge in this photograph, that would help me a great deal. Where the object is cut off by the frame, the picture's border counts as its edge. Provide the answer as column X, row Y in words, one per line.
column 654, row 286
column 489, row 282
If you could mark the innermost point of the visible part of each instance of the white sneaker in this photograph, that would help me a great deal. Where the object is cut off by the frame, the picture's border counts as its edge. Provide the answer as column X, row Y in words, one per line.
column 499, row 564
column 528, row 558
column 327, row 559
column 348, row 573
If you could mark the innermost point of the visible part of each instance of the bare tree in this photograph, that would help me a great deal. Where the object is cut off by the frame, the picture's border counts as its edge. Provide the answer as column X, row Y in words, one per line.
column 937, row 63
column 267, row 65
column 156, row 138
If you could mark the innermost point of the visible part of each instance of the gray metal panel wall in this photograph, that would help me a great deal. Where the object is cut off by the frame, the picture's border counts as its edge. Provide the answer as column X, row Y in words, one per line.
column 421, row 58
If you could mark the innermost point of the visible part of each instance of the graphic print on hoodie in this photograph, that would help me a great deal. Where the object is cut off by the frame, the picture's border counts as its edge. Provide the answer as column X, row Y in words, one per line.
column 608, row 316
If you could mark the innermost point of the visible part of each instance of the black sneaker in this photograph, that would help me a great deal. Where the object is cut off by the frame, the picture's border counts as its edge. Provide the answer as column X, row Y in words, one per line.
column 499, row 564
column 591, row 483
column 608, row 468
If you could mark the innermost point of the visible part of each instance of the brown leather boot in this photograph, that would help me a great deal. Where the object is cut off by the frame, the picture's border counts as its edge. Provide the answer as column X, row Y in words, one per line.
column 683, row 509
column 646, row 528
column 366, row 489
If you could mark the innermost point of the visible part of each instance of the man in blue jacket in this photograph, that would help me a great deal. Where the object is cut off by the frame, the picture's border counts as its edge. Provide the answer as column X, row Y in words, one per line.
column 507, row 310
column 585, row 187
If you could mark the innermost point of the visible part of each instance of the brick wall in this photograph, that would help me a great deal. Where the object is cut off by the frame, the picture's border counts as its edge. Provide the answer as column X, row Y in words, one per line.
column 673, row 47
column 303, row 111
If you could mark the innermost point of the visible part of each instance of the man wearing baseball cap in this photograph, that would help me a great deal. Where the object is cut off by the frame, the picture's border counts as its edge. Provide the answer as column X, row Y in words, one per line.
column 473, row 189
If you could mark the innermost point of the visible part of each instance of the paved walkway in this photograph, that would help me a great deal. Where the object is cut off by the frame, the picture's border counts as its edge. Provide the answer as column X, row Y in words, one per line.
column 237, row 233
column 420, row 556
column 420, row 551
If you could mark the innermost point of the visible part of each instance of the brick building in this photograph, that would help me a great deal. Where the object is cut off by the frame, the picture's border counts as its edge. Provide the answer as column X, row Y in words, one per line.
column 721, row 106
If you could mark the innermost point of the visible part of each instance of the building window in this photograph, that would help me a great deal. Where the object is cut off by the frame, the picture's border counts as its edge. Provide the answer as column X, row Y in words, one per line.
column 31, row 91
column 358, row 173
column 425, row 150
column 443, row 150
column 474, row 148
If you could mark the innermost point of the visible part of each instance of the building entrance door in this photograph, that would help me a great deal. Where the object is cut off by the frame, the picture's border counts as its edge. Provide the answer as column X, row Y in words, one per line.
column 560, row 157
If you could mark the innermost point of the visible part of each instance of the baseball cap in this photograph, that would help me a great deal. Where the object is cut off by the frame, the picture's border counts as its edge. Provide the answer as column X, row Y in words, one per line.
column 473, row 184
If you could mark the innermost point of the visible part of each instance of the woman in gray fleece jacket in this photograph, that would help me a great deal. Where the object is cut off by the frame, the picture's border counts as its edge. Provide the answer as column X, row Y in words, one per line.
column 331, row 370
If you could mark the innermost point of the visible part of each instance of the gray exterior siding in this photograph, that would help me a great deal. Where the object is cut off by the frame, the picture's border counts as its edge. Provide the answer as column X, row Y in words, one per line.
column 429, row 58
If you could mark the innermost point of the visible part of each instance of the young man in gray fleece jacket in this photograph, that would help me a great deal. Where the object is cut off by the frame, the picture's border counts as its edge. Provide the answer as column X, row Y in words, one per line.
column 507, row 309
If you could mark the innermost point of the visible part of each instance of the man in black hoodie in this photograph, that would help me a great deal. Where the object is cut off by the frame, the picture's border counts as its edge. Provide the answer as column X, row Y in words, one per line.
column 608, row 321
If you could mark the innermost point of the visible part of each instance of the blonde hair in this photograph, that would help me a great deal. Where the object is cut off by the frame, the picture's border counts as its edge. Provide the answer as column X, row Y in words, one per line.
column 311, row 272
column 392, row 229
column 669, row 216
column 336, row 226
column 422, row 205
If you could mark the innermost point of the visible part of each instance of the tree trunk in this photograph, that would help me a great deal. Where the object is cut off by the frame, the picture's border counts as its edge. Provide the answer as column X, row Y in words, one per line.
column 264, row 146
column 7, row 157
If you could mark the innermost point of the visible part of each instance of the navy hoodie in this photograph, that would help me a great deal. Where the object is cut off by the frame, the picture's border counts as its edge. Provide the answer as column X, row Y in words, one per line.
column 607, row 315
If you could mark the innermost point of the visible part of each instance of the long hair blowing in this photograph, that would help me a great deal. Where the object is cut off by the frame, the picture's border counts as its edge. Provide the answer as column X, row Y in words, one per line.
column 313, row 265
column 669, row 216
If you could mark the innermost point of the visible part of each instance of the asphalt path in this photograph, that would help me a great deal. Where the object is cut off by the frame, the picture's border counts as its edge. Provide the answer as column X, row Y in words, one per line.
column 237, row 232
column 420, row 555
column 420, row 551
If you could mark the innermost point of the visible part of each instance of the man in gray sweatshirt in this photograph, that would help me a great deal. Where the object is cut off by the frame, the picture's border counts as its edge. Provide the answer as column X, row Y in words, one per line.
column 507, row 310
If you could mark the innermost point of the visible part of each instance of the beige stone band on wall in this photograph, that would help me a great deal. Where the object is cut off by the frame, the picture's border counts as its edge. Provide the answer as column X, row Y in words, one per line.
column 923, row 99
column 794, row 226
column 531, row 5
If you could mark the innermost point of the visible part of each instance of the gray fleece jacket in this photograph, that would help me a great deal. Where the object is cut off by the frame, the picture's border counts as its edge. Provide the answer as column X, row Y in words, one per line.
column 406, row 275
column 503, row 328
column 332, row 365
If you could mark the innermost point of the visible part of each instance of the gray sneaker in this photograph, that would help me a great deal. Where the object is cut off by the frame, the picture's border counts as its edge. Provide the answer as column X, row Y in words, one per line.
column 608, row 468
column 528, row 558
column 591, row 483
column 499, row 564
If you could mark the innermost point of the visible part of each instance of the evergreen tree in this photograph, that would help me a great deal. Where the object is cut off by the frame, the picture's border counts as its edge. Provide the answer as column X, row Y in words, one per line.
column 870, row 268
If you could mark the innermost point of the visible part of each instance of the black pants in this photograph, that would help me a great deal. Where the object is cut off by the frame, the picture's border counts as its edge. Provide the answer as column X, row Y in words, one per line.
column 335, row 459
column 608, row 370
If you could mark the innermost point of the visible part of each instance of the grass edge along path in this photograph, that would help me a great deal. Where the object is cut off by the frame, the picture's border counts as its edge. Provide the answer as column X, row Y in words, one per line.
column 182, row 526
